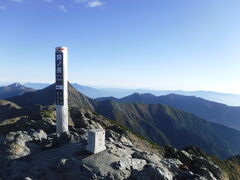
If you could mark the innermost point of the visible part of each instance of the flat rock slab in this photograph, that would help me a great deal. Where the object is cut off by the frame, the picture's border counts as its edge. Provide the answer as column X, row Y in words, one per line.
column 103, row 164
column 44, row 160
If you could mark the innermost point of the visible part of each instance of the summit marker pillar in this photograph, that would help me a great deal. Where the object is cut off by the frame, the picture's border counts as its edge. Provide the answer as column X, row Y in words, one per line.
column 61, row 60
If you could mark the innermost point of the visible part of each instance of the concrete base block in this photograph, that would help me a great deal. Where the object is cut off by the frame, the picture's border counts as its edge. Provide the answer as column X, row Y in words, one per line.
column 96, row 141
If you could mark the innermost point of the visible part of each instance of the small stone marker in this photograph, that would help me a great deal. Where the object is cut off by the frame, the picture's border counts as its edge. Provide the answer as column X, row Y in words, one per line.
column 96, row 141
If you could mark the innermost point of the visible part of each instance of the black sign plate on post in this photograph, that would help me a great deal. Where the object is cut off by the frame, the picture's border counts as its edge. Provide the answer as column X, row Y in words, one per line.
column 59, row 78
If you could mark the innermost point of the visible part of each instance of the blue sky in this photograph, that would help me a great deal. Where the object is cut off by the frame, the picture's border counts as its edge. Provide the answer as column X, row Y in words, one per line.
column 155, row 44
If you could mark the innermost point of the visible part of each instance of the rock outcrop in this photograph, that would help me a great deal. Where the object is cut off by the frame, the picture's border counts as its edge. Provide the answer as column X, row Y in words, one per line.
column 31, row 149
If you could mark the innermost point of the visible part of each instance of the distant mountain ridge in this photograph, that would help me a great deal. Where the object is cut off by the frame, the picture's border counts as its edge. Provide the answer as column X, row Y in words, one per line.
column 166, row 125
column 93, row 92
column 212, row 111
column 15, row 89
column 46, row 97
column 159, row 123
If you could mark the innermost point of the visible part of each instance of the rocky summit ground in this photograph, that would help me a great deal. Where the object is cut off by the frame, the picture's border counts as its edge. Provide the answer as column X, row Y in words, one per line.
column 30, row 149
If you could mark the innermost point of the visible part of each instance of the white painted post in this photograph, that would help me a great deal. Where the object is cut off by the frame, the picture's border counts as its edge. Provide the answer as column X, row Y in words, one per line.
column 61, row 57
column 96, row 141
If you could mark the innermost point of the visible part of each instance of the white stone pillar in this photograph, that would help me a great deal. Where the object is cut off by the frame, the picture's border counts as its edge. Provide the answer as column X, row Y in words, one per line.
column 96, row 141
column 61, row 56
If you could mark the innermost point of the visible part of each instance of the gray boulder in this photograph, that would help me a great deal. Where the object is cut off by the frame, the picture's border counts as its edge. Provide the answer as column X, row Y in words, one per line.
column 205, row 173
column 150, row 158
column 68, row 137
column 152, row 172
column 172, row 164
column 39, row 135
column 122, row 165
column 184, row 157
column 200, row 164
column 138, row 164
column 126, row 142
column 18, row 144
